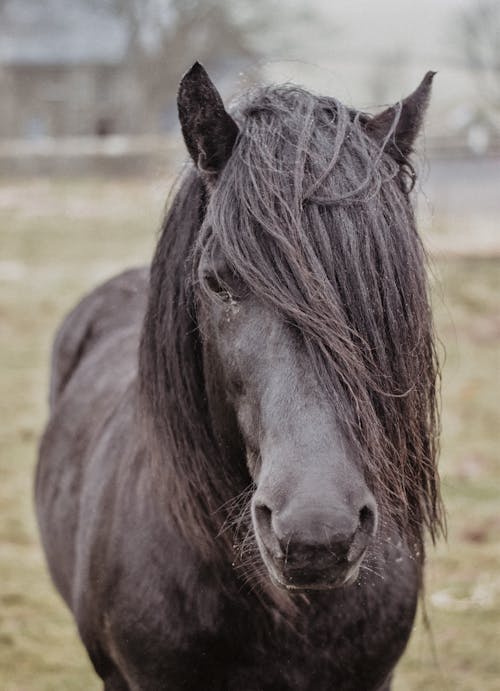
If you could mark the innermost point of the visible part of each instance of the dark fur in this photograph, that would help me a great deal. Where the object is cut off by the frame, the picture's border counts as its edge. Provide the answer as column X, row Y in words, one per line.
column 143, row 492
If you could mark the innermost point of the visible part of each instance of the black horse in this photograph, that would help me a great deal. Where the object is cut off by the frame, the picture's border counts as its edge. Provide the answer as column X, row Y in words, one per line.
column 239, row 469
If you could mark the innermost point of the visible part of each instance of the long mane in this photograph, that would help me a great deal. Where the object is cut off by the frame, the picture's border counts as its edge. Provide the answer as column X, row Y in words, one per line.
column 315, row 218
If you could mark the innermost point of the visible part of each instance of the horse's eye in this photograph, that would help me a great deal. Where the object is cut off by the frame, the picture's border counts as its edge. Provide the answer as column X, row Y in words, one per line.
column 216, row 284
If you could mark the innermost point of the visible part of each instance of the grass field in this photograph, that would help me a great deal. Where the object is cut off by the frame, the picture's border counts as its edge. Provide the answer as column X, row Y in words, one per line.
column 57, row 240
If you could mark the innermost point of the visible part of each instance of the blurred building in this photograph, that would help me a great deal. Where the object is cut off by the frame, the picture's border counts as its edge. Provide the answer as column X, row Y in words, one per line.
column 61, row 72
column 90, row 67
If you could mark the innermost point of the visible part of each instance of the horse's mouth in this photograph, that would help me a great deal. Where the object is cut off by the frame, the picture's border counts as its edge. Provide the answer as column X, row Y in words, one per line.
column 310, row 578
column 321, row 583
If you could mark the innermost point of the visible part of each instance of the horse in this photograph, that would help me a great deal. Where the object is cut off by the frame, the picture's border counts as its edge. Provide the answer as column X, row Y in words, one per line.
column 239, row 471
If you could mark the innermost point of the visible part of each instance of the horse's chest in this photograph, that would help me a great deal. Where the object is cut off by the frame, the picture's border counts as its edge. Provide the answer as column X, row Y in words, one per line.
column 322, row 662
column 323, row 653
column 329, row 650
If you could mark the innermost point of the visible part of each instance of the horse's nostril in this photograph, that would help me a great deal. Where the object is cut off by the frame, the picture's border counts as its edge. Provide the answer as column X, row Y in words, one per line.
column 263, row 517
column 263, row 520
column 263, row 514
column 367, row 519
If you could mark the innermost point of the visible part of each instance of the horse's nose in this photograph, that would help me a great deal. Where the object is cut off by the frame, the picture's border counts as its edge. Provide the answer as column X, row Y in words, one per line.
column 318, row 536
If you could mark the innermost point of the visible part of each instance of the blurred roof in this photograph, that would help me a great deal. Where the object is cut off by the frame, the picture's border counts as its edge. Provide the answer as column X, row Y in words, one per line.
column 56, row 32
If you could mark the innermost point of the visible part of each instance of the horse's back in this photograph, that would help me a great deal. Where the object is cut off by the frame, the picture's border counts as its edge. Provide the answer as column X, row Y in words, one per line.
column 113, row 306
column 94, row 367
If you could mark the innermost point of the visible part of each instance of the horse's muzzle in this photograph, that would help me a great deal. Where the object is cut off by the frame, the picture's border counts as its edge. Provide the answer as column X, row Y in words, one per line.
column 313, row 549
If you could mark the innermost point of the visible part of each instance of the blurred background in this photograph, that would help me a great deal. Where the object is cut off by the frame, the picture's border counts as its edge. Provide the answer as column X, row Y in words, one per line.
column 89, row 146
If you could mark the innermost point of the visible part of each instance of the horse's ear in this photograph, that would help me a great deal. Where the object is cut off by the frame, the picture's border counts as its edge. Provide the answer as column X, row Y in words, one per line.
column 208, row 130
column 411, row 115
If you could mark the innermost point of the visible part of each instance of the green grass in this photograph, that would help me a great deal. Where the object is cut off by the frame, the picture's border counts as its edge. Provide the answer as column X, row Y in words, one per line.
column 57, row 240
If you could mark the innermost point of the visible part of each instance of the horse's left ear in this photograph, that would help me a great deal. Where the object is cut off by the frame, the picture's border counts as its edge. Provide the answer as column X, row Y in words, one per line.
column 209, row 131
column 411, row 115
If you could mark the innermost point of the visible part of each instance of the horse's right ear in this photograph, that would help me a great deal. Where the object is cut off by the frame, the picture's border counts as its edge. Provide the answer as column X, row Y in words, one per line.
column 208, row 130
column 408, row 121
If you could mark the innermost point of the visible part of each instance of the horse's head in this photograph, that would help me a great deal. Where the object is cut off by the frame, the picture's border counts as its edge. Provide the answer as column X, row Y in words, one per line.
column 313, row 337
